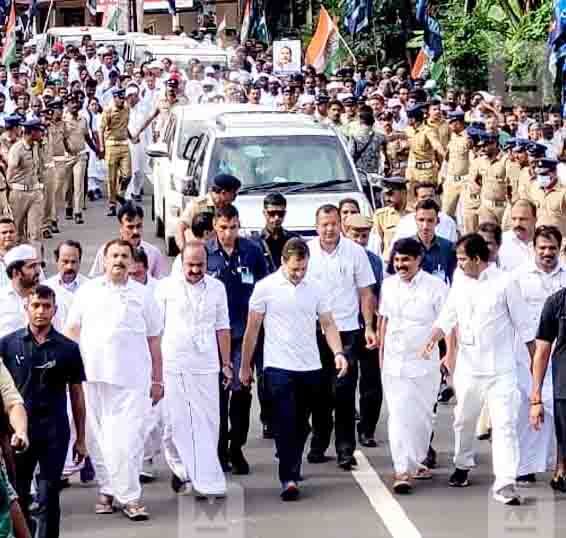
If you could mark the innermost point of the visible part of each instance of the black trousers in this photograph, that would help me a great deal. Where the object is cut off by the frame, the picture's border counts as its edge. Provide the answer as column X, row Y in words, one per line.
column 235, row 409
column 336, row 405
column 262, row 392
column 293, row 395
column 371, row 390
column 49, row 441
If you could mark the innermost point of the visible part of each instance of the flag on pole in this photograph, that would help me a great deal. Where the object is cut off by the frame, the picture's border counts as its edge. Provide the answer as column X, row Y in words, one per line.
column 222, row 26
column 324, row 45
column 246, row 21
column 557, row 35
column 172, row 7
column 420, row 65
column 357, row 14
column 9, row 52
column 432, row 32
column 91, row 5
column 260, row 31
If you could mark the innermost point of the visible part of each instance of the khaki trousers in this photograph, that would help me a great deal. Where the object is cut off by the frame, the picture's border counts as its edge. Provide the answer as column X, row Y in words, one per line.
column 119, row 164
column 74, row 176
column 450, row 196
column 54, row 172
column 27, row 211
column 491, row 214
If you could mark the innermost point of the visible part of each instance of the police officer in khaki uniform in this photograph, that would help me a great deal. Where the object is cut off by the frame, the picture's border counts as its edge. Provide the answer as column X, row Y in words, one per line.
column 321, row 101
column 55, row 167
column 458, row 162
column 471, row 192
column 549, row 197
column 386, row 219
column 527, row 175
column 25, row 179
column 77, row 136
column 11, row 134
column 425, row 152
column 517, row 160
column 114, row 136
column 435, row 122
column 222, row 193
column 493, row 180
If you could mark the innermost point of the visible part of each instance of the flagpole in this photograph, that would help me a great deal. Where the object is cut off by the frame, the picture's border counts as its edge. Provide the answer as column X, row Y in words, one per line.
column 48, row 16
column 346, row 46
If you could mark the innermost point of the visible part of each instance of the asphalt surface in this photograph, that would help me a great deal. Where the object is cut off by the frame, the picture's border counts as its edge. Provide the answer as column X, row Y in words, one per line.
column 334, row 503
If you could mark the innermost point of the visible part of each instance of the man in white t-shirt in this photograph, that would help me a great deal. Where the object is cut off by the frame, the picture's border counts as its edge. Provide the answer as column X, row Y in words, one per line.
column 287, row 305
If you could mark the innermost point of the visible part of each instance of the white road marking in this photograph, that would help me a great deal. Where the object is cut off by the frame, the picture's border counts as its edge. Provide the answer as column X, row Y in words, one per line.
column 387, row 508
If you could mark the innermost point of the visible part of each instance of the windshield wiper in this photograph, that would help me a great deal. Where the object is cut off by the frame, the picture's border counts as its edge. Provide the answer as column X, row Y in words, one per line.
column 270, row 185
column 314, row 186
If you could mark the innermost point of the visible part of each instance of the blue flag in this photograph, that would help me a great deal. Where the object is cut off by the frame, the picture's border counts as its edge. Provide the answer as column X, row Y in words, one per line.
column 432, row 33
column 357, row 14
column 558, row 30
column 32, row 12
column 172, row 8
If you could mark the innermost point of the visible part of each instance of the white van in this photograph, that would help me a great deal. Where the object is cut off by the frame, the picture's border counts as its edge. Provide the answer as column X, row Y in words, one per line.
column 182, row 55
column 74, row 35
column 268, row 151
column 135, row 46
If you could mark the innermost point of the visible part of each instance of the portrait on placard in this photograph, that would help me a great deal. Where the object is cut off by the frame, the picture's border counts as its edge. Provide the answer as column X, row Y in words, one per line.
column 287, row 56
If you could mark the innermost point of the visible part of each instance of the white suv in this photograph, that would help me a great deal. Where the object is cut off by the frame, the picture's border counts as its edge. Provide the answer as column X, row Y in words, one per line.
column 267, row 151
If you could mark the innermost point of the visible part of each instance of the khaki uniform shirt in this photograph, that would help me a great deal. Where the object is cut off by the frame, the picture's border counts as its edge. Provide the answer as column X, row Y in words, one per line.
column 55, row 137
column 114, row 124
column 458, row 155
column 471, row 195
column 441, row 130
column 526, row 179
column 25, row 164
column 551, row 206
column 76, row 133
column 385, row 221
column 423, row 142
column 397, row 149
column 8, row 391
column 202, row 204
column 494, row 181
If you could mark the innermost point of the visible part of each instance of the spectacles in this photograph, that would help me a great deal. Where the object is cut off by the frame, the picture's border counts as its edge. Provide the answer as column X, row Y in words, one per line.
column 276, row 212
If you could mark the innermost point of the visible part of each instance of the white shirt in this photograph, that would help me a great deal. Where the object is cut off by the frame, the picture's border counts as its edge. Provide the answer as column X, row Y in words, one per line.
column 290, row 321
column 445, row 228
column 13, row 315
column 487, row 311
column 4, row 280
column 514, row 252
column 115, row 322
column 192, row 314
column 411, row 310
column 64, row 292
column 341, row 274
column 156, row 261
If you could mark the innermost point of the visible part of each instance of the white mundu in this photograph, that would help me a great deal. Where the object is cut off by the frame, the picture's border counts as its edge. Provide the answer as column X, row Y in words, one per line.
column 410, row 383
column 193, row 313
column 487, row 311
column 115, row 323
column 537, row 448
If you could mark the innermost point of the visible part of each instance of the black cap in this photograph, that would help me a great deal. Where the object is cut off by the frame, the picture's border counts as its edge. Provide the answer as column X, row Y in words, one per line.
column 538, row 151
column 322, row 98
column 13, row 120
column 487, row 138
column 543, row 165
column 56, row 104
column 32, row 124
column 416, row 110
column 519, row 144
column 395, row 183
column 349, row 101
column 456, row 115
column 173, row 83
column 226, row 182
column 118, row 92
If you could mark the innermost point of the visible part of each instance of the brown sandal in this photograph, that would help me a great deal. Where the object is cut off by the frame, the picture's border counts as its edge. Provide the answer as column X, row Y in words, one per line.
column 135, row 511
column 104, row 504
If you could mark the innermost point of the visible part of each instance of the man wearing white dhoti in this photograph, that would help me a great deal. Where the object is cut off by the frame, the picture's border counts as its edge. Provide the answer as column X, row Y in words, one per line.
column 140, row 166
column 196, row 327
column 537, row 280
column 411, row 301
column 117, row 323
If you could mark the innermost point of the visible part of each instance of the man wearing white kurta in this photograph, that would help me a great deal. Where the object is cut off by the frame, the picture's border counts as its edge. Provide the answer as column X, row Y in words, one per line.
column 411, row 301
column 487, row 310
column 537, row 280
column 117, row 323
column 195, row 309
column 517, row 243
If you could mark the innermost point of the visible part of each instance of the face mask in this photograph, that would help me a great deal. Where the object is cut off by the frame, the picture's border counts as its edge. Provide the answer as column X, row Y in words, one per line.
column 544, row 181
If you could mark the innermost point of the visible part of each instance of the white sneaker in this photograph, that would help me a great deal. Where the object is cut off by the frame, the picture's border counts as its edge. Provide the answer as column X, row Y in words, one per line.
column 508, row 495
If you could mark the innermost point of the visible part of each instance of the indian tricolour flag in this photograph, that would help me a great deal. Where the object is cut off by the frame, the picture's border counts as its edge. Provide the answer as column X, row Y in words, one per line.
column 323, row 48
column 9, row 52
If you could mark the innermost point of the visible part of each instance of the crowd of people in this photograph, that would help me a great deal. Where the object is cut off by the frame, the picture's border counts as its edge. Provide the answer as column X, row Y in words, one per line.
column 452, row 289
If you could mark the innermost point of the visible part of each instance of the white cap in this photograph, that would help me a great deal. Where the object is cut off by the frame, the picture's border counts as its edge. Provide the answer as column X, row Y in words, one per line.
column 245, row 78
column 335, row 86
column 234, row 76
column 132, row 89
column 386, row 70
column 342, row 96
column 376, row 93
column 21, row 253
column 430, row 85
column 209, row 70
column 487, row 97
column 306, row 100
column 392, row 103
column 155, row 65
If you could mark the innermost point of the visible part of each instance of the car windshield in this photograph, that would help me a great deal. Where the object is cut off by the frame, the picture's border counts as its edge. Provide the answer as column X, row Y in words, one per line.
column 274, row 160
column 184, row 60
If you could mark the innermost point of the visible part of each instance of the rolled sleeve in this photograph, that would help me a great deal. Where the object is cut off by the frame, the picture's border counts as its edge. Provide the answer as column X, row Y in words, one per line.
column 363, row 273
column 8, row 390
column 258, row 300
column 448, row 318
column 323, row 306
column 518, row 311
column 222, row 315
column 153, row 316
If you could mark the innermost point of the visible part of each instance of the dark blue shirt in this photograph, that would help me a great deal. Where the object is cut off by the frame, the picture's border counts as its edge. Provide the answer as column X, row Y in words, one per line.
column 377, row 268
column 239, row 272
column 439, row 259
column 42, row 372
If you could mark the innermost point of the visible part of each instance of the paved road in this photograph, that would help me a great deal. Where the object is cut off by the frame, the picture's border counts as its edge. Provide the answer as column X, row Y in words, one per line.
column 335, row 504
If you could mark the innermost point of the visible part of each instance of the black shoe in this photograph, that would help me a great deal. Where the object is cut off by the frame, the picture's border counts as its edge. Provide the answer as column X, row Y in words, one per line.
column 445, row 395
column 79, row 219
column 137, row 197
column 87, row 472
column 68, row 213
column 367, row 440
column 558, row 483
column 459, row 479
column 121, row 200
column 290, row 491
column 317, row 457
column 176, row 483
column 430, row 460
column 47, row 234
column 346, row 461
column 55, row 228
column 91, row 196
column 240, row 466
column 226, row 467
column 111, row 211
column 64, row 483
column 267, row 432
column 526, row 480
column 485, row 436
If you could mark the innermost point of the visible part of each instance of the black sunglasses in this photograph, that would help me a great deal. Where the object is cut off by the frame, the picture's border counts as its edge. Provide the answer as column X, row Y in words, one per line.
column 276, row 212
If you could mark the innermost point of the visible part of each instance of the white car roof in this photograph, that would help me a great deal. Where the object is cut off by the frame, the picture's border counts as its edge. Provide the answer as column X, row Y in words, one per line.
column 94, row 31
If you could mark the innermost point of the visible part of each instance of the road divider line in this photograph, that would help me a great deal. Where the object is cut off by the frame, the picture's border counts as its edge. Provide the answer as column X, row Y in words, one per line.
column 387, row 508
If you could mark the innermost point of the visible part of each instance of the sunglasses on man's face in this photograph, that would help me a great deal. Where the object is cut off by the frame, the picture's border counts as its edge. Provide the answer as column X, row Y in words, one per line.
column 276, row 212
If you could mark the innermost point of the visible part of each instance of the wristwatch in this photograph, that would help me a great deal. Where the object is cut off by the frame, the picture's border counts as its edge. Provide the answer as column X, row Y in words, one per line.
column 340, row 354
